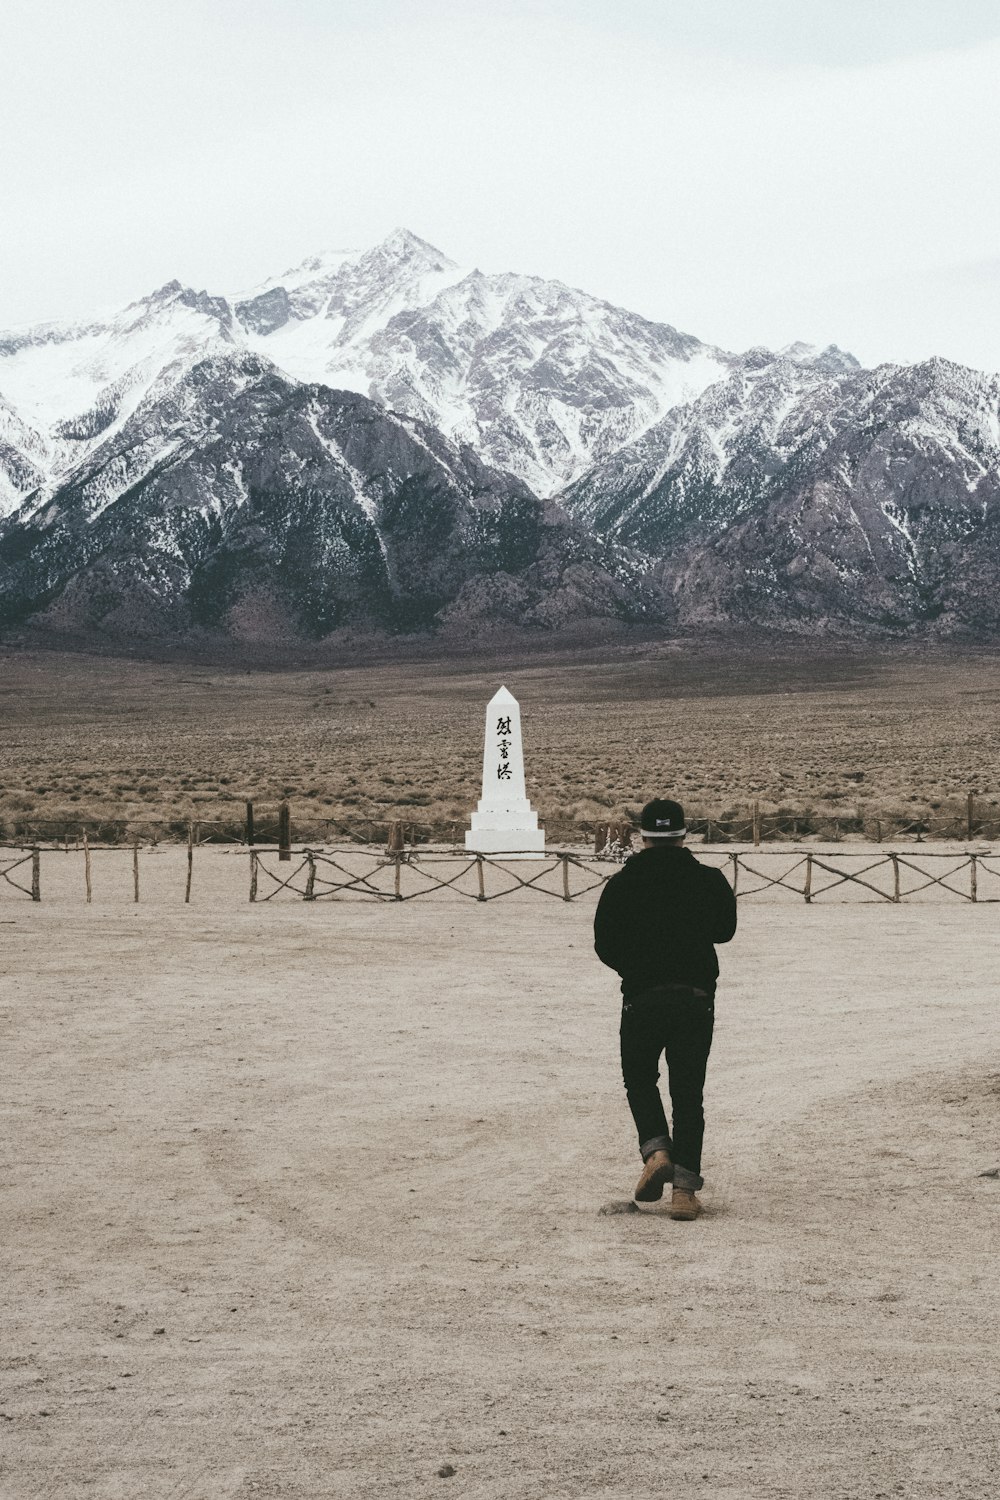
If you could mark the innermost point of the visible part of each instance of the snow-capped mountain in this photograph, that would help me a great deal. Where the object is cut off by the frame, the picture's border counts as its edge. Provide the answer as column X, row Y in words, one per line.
column 365, row 438
column 540, row 379
column 66, row 388
column 798, row 492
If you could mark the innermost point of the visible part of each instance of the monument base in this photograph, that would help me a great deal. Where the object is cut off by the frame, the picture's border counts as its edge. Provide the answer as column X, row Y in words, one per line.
column 506, row 843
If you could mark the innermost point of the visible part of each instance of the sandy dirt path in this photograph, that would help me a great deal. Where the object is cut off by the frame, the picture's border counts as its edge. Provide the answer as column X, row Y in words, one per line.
column 304, row 1201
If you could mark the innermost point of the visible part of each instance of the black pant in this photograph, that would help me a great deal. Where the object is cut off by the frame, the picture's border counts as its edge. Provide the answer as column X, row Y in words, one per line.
column 676, row 1020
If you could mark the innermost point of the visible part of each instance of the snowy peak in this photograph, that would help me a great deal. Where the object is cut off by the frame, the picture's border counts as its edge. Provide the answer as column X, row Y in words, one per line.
column 403, row 247
column 74, row 385
column 169, row 299
column 832, row 360
column 314, row 268
column 540, row 378
column 349, row 287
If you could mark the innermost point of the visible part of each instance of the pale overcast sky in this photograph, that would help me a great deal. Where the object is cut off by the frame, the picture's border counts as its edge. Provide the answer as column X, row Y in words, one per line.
column 753, row 171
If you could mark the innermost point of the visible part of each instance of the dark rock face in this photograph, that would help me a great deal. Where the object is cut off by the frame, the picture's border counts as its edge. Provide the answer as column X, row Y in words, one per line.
column 788, row 495
column 266, row 312
column 240, row 498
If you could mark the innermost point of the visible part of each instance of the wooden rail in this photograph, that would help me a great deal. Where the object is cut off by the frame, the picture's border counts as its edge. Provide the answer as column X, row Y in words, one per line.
column 33, row 861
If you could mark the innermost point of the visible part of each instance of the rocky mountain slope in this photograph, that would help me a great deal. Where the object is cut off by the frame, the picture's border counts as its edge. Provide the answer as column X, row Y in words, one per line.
column 240, row 501
column 831, row 496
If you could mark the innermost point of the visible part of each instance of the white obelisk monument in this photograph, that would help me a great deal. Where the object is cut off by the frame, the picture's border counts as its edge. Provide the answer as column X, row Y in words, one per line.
column 504, row 822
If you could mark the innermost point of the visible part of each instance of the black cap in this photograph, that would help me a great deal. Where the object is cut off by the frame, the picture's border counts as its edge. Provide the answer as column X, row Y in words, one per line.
column 662, row 819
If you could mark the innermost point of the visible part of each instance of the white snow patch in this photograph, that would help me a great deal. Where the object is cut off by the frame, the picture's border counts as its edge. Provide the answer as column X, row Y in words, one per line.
column 116, row 367
column 356, row 478
column 901, row 525
column 314, row 268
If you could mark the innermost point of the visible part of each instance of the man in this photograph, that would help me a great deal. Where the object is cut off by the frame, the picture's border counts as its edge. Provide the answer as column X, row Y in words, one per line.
column 657, row 923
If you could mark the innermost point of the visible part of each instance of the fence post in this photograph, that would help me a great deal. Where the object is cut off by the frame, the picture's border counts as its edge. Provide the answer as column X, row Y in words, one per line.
column 756, row 823
column 253, row 875
column 249, row 824
column 972, row 878
column 36, row 875
column 895, row 876
column 135, row 868
column 482, row 882
column 86, row 866
column 190, row 863
column 736, row 870
column 969, row 815
column 310, row 878
column 396, row 840
column 284, row 831
column 808, row 888
column 397, row 878
column 565, row 865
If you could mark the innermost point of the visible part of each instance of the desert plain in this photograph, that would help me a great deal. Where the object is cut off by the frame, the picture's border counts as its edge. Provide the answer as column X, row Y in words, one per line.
column 330, row 1199
column 838, row 731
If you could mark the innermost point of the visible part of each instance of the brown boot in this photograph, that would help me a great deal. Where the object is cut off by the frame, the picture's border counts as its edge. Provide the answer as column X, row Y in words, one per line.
column 683, row 1204
column 656, row 1170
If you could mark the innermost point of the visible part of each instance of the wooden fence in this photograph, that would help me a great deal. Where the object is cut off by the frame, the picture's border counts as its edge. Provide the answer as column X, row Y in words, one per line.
column 247, row 826
column 891, row 876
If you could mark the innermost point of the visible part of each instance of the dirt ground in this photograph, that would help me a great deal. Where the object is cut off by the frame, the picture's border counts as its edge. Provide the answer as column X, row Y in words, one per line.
column 304, row 1201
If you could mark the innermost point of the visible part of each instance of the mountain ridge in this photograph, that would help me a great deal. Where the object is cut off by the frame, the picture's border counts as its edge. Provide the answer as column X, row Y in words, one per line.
column 491, row 364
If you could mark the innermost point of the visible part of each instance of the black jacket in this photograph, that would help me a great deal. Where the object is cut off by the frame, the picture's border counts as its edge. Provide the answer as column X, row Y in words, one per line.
column 658, row 919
